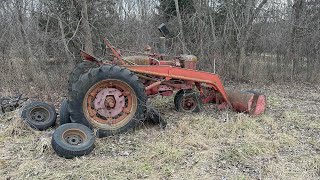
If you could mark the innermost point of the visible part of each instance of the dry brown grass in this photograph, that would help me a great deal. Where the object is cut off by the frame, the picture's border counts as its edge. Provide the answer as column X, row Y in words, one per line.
column 40, row 79
column 281, row 144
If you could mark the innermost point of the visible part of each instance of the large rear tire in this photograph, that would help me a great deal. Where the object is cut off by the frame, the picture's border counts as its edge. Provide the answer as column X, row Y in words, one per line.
column 64, row 113
column 109, row 98
column 80, row 69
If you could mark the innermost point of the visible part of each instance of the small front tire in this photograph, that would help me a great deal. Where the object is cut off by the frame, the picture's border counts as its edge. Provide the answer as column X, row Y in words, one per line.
column 187, row 101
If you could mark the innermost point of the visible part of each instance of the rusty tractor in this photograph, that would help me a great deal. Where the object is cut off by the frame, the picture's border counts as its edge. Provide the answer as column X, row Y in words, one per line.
column 111, row 96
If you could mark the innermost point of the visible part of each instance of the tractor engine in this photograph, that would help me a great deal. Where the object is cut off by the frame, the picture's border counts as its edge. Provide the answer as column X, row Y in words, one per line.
column 188, row 61
column 138, row 60
column 183, row 61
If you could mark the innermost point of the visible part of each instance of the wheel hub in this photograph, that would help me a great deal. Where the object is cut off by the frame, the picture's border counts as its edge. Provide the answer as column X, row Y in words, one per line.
column 74, row 139
column 109, row 102
column 189, row 104
column 38, row 115
column 74, row 136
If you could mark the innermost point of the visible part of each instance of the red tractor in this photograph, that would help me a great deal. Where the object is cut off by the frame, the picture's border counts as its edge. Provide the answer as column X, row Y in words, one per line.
column 111, row 96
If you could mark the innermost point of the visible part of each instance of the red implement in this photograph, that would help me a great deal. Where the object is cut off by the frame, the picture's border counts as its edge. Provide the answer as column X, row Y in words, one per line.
column 170, row 72
column 248, row 102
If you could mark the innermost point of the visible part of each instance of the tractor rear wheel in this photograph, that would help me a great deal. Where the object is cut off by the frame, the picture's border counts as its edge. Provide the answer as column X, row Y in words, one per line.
column 187, row 101
column 109, row 98
column 77, row 71
column 64, row 113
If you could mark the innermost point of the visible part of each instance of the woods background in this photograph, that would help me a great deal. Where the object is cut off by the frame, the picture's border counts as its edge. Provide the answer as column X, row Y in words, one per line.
column 245, row 40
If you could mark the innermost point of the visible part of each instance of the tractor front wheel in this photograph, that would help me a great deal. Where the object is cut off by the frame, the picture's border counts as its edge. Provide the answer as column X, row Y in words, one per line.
column 109, row 98
column 187, row 101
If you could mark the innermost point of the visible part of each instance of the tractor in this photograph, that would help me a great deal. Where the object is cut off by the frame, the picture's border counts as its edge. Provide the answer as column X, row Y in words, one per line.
column 111, row 96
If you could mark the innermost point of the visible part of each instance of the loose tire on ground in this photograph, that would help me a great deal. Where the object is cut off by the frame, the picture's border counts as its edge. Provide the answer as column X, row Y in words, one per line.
column 109, row 98
column 187, row 101
column 72, row 140
column 39, row 115
column 64, row 113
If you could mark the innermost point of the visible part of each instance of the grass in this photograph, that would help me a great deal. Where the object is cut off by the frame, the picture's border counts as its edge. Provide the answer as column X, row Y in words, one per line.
column 281, row 144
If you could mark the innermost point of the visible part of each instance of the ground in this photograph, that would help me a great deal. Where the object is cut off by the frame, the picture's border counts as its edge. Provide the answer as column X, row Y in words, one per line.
column 284, row 143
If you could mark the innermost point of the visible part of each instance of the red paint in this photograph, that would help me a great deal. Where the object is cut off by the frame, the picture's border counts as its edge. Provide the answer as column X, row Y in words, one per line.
column 109, row 102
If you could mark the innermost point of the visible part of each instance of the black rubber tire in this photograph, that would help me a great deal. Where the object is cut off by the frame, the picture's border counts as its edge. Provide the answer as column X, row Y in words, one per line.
column 80, row 69
column 181, row 91
column 64, row 113
column 190, row 94
column 154, row 116
column 47, row 118
column 95, row 75
column 67, row 150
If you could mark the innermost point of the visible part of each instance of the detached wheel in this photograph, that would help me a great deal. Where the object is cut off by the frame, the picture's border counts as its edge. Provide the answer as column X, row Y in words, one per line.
column 72, row 140
column 109, row 98
column 39, row 115
column 187, row 101
column 64, row 113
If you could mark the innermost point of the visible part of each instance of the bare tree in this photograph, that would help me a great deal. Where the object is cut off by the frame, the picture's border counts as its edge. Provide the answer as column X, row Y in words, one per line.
column 86, row 28
column 180, row 27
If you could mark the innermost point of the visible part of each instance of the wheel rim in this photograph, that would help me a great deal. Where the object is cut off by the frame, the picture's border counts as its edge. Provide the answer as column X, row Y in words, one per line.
column 110, row 104
column 188, row 104
column 39, row 114
column 74, row 136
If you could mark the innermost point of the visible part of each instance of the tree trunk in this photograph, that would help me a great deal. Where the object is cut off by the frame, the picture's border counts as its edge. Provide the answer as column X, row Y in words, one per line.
column 181, row 27
column 86, row 28
column 63, row 39
column 294, row 42
column 46, row 33
column 25, row 40
column 28, row 57
column 214, row 38
column 244, row 33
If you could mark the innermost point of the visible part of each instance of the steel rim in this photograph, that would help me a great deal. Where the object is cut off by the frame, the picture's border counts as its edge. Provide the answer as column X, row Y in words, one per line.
column 74, row 137
column 110, row 104
column 188, row 103
column 39, row 114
